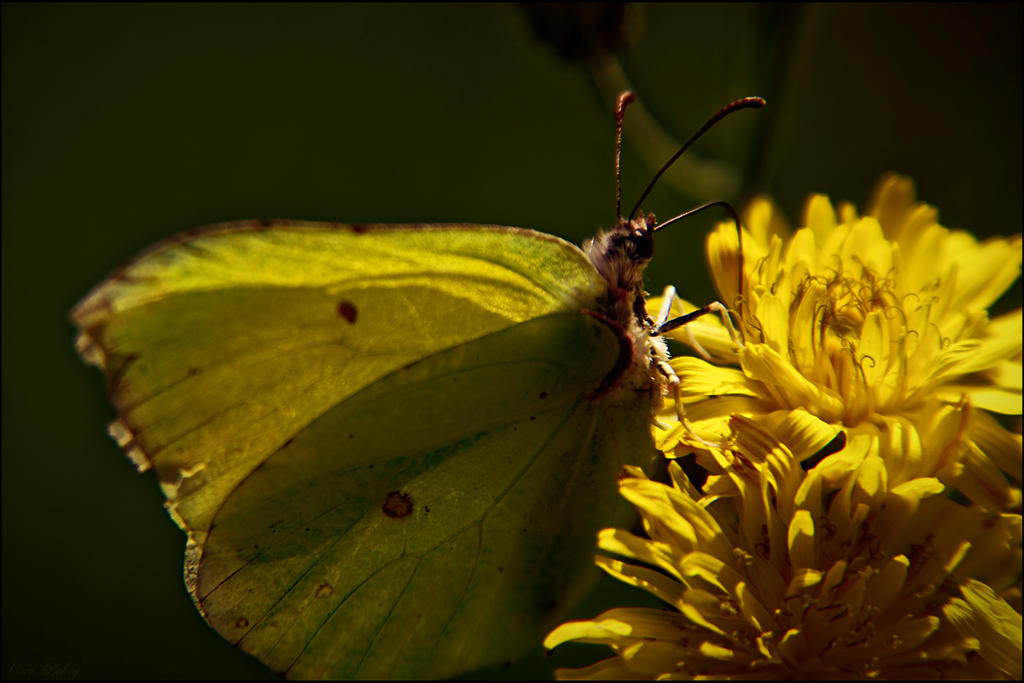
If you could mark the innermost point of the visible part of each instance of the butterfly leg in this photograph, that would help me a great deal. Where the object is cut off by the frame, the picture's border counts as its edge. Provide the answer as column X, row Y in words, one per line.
column 674, row 387
column 668, row 297
column 666, row 369
column 663, row 324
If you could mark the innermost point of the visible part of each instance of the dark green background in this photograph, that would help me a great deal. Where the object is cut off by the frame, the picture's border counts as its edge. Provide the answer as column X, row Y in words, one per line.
column 124, row 124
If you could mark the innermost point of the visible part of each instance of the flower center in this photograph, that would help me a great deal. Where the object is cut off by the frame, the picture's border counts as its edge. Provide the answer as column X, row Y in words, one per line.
column 849, row 300
column 847, row 359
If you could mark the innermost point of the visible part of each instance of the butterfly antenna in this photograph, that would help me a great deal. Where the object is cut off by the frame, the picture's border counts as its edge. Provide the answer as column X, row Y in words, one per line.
column 742, row 103
column 739, row 232
column 620, row 111
column 726, row 205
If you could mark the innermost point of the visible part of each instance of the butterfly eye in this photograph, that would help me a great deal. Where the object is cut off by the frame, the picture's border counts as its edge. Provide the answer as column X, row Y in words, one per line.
column 643, row 243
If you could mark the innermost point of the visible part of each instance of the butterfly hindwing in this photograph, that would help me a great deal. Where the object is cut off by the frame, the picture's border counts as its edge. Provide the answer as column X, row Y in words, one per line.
column 425, row 523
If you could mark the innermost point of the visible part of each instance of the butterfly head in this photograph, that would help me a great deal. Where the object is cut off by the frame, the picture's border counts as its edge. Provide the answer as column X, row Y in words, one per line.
column 621, row 254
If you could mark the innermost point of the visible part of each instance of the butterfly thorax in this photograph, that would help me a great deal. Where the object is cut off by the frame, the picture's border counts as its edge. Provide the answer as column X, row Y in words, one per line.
column 621, row 255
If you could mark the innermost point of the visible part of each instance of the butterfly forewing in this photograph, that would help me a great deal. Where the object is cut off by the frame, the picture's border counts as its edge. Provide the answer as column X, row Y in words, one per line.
column 390, row 447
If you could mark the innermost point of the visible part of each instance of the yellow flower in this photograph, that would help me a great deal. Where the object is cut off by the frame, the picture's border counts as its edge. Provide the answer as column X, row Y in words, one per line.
column 872, row 325
column 832, row 573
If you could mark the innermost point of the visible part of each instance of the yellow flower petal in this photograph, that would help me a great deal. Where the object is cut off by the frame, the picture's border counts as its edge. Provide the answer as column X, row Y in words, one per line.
column 698, row 377
column 892, row 197
column 601, row 630
column 901, row 502
column 1001, row 446
column 660, row 508
column 996, row 625
column 819, row 217
column 899, row 445
column 803, row 580
column 802, row 551
column 982, row 481
column 903, row 636
column 887, row 584
column 774, row 315
column 621, row 542
column 992, row 399
column 710, row 569
column 787, row 386
column 987, row 270
column 653, row 582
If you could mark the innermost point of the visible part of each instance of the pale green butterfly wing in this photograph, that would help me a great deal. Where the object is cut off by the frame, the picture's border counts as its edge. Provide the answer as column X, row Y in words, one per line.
column 426, row 402
column 506, row 471
column 221, row 347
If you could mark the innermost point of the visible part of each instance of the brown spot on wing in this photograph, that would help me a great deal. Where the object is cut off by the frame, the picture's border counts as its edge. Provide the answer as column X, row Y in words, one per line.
column 397, row 505
column 348, row 311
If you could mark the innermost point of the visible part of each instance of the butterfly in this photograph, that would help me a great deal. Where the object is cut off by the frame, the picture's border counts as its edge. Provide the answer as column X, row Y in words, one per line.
column 390, row 446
